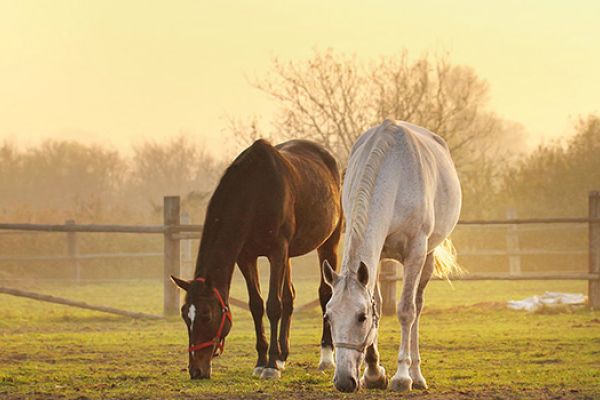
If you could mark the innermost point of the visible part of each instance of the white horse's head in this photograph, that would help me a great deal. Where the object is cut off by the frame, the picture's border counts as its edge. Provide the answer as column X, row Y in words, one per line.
column 354, row 320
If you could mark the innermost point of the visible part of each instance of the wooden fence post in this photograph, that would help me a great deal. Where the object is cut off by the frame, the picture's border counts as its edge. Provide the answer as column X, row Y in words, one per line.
column 594, row 250
column 387, row 283
column 171, row 205
column 186, row 250
column 73, row 251
column 512, row 244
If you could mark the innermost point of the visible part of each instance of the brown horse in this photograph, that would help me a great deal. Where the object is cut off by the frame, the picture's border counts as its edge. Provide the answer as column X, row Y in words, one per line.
column 275, row 201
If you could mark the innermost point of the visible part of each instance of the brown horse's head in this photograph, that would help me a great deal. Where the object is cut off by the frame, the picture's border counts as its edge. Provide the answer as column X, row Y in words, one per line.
column 208, row 320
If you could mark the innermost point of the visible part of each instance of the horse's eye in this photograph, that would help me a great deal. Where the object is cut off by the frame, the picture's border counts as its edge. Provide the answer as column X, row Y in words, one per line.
column 326, row 317
column 362, row 317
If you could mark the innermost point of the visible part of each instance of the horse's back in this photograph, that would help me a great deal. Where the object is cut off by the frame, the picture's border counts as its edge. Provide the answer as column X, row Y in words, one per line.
column 300, row 152
column 315, row 183
column 441, row 188
column 417, row 176
column 291, row 190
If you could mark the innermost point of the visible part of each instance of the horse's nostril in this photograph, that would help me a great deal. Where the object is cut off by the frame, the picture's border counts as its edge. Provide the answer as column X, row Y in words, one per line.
column 195, row 373
column 347, row 385
column 354, row 384
column 200, row 373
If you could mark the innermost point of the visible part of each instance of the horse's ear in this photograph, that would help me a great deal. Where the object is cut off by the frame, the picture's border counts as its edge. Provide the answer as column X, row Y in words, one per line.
column 363, row 274
column 330, row 276
column 185, row 285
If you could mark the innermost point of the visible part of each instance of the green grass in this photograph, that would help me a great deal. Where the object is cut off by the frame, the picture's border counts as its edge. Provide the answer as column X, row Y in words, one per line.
column 471, row 345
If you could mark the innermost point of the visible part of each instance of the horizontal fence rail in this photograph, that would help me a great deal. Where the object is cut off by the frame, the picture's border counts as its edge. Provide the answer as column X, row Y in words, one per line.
column 87, row 256
column 530, row 221
column 573, row 276
column 78, row 304
column 86, row 228
column 520, row 252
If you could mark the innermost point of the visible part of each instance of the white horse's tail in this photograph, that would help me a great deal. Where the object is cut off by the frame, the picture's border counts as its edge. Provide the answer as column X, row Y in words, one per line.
column 445, row 262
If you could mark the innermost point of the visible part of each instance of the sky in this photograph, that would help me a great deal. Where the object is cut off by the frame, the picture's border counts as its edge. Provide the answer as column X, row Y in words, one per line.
column 121, row 72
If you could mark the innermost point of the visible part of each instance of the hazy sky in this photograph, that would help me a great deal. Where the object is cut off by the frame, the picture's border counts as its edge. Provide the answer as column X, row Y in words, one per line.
column 119, row 72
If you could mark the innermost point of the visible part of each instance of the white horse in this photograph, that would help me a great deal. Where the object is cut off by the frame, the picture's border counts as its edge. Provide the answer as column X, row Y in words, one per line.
column 402, row 199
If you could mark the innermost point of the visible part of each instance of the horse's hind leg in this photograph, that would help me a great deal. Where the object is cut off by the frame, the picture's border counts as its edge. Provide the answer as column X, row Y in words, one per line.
column 279, row 262
column 257, row 308
column 413, row 265
column 289, row 294
column 327, row 251
column 415, row 367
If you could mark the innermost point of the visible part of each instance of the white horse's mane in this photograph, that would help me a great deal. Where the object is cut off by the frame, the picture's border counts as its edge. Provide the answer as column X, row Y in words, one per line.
column 360, row 204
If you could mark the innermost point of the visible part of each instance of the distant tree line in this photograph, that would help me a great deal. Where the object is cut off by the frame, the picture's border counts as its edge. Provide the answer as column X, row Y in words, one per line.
column 556, row 178
column 66, row 179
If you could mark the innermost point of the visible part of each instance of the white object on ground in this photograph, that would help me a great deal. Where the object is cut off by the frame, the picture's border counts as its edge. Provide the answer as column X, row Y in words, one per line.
column 549, row 298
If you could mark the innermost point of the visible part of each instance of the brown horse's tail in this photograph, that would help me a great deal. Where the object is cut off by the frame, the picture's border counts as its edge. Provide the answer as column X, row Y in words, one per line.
column 445, row 262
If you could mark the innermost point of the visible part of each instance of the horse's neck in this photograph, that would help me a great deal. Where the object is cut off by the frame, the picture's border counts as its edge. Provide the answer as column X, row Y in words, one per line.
column 217, row 257
column 226, row 228
column 367, row 250
column 366, row 243
column 219, row 274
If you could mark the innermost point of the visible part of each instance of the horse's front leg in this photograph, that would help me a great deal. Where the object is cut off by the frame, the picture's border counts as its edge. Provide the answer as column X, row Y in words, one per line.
column 257, row 308
column 279, row 261
column 374, row 376
column 289, row 294
column 327, row 252
column 419, row 381
column 413, row 265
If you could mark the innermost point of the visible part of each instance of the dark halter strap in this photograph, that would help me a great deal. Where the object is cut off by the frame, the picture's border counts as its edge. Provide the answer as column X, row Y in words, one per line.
column 219, row 339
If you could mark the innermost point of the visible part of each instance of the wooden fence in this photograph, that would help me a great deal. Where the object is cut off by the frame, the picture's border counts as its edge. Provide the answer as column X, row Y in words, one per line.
column 172, row 230
column 388, row 276
column 176, row 229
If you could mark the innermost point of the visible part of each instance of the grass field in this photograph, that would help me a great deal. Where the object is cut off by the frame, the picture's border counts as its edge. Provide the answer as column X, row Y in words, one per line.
column 473, row 348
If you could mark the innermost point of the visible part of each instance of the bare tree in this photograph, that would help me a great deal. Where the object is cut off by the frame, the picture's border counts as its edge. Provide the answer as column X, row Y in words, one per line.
column 247, row 131
column 332, row 98
column 321, row 99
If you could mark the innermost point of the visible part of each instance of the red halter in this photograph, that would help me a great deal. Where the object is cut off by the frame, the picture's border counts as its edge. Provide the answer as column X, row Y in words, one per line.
column 218, row 340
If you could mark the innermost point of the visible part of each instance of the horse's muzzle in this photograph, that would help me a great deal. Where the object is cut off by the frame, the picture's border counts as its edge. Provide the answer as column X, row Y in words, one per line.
column 346, row 384
column 200, row 373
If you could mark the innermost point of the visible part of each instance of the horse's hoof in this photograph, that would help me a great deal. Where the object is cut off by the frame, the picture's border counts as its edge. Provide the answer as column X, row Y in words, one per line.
column 257, row 371
column 280, row 365
column 326, row 362
column 401, row 384
column 379, row 383
column 375, row 382
column 270, row 373
column 419, row 384
column 325, row 365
